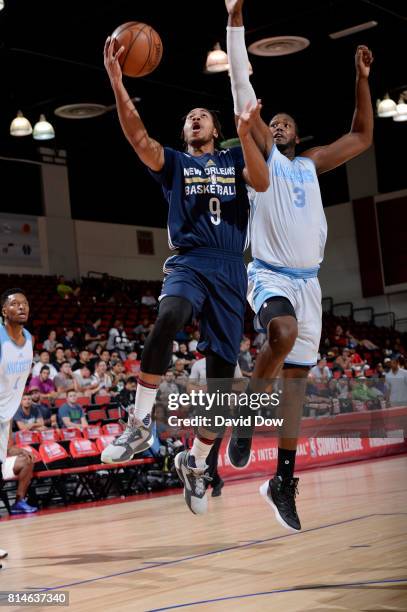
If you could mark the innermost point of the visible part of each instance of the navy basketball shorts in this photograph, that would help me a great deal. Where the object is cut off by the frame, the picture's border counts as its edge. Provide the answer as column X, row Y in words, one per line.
column 215, row 282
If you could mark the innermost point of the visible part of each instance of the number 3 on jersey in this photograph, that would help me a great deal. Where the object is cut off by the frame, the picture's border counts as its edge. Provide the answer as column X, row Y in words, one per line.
column 299, row 201
column 214, row 209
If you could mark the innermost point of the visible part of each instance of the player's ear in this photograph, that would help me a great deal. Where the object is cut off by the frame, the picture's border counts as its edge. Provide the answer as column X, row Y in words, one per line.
column 297, row 140
column 215, row 133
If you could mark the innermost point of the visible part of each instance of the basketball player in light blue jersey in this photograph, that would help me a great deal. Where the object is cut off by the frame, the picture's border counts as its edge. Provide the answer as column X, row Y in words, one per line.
column 288, row 234
column 16, row 355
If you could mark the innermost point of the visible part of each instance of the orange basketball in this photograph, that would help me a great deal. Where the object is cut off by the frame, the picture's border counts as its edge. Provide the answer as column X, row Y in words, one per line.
column 143, row 48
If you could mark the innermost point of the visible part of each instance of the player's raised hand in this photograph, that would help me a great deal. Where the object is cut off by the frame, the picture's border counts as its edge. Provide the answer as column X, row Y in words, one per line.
column 233, row 6
column 363, row 60
column 111, row 60
column 247, row 119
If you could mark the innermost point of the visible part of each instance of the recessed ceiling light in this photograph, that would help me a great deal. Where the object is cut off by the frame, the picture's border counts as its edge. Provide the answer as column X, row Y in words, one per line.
column 278, row 45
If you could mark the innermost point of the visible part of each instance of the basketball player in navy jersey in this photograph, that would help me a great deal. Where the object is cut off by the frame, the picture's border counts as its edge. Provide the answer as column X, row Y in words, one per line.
column 16, row 355
column 207, row 224
column 289, row 231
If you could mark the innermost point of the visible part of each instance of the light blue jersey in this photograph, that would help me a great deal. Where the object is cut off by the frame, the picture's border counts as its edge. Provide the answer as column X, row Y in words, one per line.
column 288, row 224
column 15, row 367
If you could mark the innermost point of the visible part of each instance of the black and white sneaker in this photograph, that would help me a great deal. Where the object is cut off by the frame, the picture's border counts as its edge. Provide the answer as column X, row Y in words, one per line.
column 195, row 481
column 239, row 448
column 136, row 438
column 280, row 494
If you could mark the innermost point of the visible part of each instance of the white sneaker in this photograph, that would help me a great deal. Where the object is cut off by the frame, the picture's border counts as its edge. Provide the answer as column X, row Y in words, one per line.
column 136, row 438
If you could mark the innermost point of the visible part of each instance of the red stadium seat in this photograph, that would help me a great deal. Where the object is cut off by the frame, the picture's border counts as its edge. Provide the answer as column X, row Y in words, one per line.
column 49, row 435
column 83, row 448
column 113, row 413
column 70, row 433
column 112, row 429
column 92, row 431
column 96, row 414
column 104, row 441
column 50, row 452
column 27, row 437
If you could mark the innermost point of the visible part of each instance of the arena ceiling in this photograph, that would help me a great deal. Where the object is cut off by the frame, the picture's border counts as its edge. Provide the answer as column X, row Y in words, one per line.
column 51, row 55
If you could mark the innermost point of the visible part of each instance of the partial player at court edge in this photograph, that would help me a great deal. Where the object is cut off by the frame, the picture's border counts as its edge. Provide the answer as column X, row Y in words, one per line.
column 288, row 235
column 16, row 356
column 208, row 225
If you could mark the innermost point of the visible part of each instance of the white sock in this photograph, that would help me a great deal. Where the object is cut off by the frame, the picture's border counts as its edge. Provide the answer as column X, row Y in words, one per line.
column 145, row 400
column 200, row 451
column 242, row 89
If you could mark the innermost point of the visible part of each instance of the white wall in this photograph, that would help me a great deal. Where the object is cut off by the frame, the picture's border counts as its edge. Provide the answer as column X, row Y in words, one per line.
column 44, row 267
column 340, row 276
column 112, row 248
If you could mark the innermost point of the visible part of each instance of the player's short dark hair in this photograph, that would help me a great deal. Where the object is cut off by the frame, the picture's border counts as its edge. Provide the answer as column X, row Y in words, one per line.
column 297, row 132
column 8, row 292
column 216, row 123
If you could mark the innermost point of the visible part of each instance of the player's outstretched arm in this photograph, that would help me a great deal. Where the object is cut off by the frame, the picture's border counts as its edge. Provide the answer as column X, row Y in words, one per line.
column 256, row 172
column 149, row 150
column 242, row 89
column 360, row 136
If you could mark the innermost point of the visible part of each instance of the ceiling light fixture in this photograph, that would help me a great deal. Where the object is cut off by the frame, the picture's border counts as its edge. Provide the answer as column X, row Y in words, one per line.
column 217, row 60
column 386, row 107
column 20, row 126
column 401, row 114
column 1, row 5
column 43, row 130
column 278, row 45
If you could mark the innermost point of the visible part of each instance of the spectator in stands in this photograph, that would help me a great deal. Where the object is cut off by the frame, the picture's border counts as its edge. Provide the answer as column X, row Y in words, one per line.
column 127, row 395
column 65, row 291
column 27, row 416
column 92, row 335
column 69, row 341
column 339, row 338
column 51, row 342
column 65, row 380
column 44, row 360
column 343, row 362
column 320, row 373
column 69, row 356
column 117, row 375
column 44, row 384
column 396, row 379
column 361, row 392
column 58, row 358
column 351, row 341
column 84, row 360
column 50, row 420
column 259, row 340
column 20, row 463
column 359, row 365
column 85, row 384
column 71, row 414
column 245, row 360
column 386, row 365
column 118, row 339
column 142, row 328
column 184, row 354
column 102, row 378
column 132, row 364
column 193, row 343
column 180, row 374
column 167, row 386
column 317, row 401
column 148, row 299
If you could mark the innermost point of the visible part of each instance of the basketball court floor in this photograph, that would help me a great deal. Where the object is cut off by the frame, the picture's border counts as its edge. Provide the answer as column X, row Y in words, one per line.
column 153, row 554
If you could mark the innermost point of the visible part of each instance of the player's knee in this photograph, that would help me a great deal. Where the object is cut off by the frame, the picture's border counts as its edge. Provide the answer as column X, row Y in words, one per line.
column 282, row 333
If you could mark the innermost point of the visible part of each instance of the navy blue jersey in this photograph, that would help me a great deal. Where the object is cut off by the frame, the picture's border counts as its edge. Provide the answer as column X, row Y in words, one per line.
column 207, row 197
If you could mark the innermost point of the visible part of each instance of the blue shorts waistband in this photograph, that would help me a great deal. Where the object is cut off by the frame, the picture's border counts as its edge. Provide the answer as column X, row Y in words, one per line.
column 212, row 252
column 291, row 272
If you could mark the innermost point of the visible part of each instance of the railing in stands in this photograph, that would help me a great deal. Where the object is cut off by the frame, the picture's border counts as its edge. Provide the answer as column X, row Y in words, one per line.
column 327, row 303
column 346, row 309
column 362, row 319
column 401, row 325
column 384, row 319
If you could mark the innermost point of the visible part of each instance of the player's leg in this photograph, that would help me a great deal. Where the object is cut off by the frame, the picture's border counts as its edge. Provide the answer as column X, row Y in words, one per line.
column 174, row 313
column 277, row 316
column 212, row 461
column 196, row 467
column 22, row 467
column 281, row 490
